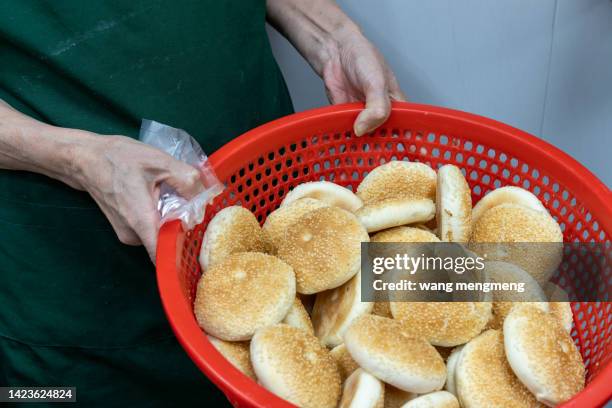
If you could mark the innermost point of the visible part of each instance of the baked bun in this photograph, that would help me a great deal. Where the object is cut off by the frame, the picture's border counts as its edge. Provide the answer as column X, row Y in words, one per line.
column 451, row 365
column 559, row 305
column 243, row 293
column 543, row 355
column 388, row 214
column 453, row 205
column 404, row 234
column 362, row 390
column 401, row 358
column 335, row 309
column 483, row 377
column 397, row 193
column 299, row 317
column 237, row 353
column 514, row 225
column 507, row 195
column 280, row 219
column 346, row 364
column 295, row 366
column 438, row 399
column 504, row 301
column 233, row 229
column 325, row 191
column 444, row 324
column 324, row 249
column 398, row 181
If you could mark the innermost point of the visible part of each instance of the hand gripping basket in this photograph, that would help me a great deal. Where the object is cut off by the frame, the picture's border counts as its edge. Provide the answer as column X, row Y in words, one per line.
column 261, row 166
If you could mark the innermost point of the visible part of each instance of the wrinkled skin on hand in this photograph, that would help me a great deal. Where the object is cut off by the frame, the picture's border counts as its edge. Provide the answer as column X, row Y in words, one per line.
column 123, row 177
column 355, row 71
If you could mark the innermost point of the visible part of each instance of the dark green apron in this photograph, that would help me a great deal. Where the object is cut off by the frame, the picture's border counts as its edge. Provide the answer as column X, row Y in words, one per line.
column 78, row 308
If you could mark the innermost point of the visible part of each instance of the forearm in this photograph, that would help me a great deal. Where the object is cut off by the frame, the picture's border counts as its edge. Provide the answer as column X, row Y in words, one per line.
column 314, row 27
column 30, row 145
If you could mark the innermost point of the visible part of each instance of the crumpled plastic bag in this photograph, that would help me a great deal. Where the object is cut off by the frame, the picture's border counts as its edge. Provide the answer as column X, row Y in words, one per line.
column 180, row 145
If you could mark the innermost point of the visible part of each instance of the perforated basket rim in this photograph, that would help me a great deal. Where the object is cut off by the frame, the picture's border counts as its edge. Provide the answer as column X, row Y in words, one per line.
column 244, row 392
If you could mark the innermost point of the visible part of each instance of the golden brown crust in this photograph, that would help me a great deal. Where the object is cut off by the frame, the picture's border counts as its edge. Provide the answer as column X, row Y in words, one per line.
column 398, row 180
column 392, row 213
column 444, row 324
column 453, row 205
column 505, row 195
column 324, row 248
column 386, row 349
column 244, row 292
column 237, row 353
column 283, row 217
column 233, row 229
column 294, row 365
column 514, row 225
column 346, row 364
column 404, row 234
column 325, row 191
column 335, row 309
column 543, row 355
column 298, row 317
column 484, row 377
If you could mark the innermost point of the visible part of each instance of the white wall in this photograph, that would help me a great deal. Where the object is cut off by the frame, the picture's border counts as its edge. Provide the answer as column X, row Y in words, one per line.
column 543, row 66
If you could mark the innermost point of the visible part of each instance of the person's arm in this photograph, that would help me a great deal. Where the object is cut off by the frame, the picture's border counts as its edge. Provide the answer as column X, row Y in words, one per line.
column 334, row 46
column 121, row 174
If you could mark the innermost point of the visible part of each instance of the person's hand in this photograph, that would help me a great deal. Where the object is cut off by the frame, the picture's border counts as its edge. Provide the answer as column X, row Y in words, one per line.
column 353, row 71
column 123, row 177
column 351, row 67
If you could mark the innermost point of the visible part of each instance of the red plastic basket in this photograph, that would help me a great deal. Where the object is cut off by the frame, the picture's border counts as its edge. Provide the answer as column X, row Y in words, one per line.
column 261, row 166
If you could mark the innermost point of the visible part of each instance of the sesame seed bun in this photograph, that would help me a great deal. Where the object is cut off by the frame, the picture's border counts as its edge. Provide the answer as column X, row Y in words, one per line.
column 399, row 357
column 243, row 293
column 562, row 311
column 237, row 353
column 398, row 181
column 233, row 229
column 325, row 191
column 504, row 302
column 295, row 366
column 335, row 309
column 404, row 234
column 387, row 214
column 362, row 390
column 507, row 194
column 483, row 377
column 514, row 225
column 453, row 205
column 444, row 324
column 451, row 365
column 438, row 399
column 346, row 364
column 324, row 249
column 299, row 317
column 277, row 222
column 543, row 355
column 560, row 305
column 396, row 398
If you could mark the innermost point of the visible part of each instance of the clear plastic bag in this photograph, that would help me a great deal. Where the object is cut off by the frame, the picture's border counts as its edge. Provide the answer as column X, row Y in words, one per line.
column 180, row 145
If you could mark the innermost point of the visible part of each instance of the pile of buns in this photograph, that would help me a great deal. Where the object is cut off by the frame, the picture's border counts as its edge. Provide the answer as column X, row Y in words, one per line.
column 282, row 302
